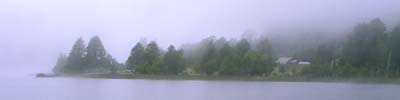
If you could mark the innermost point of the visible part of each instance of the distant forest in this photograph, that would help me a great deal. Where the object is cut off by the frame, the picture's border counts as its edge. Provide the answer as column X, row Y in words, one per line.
column 370, row 50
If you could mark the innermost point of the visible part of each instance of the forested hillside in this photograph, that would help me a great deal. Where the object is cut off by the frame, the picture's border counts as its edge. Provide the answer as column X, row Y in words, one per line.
column 370, row 50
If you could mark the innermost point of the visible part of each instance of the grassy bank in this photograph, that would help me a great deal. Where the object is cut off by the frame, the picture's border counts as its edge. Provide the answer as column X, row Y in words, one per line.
column 275, row 79
column 234, row 78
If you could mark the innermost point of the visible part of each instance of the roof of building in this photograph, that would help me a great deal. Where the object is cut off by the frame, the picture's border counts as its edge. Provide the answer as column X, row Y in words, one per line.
column 304, row 63
column 291, row 60
column 284, row 60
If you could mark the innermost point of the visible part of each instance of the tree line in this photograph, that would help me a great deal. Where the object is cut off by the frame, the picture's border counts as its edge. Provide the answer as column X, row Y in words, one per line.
column 370, row 50
column 86, row 59
column 219, row 58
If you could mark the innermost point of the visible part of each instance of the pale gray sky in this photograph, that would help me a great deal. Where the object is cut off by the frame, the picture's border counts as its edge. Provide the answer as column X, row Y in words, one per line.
column 33, row 32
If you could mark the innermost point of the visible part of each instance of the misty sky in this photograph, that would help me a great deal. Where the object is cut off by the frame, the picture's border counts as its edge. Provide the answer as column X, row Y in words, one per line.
column 34, row 32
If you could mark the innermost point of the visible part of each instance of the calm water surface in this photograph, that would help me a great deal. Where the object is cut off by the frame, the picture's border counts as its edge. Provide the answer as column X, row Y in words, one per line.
column 30, row 88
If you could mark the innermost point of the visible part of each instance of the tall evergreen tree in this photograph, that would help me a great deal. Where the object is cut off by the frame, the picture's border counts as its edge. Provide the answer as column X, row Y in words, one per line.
column 262, row 58
column 173, row 63
column 61, row 62
column 96, row 59
column 152, row 56
column 362, row 48
column 365, row 48
column 228, row 59
column 255, row 64
column 242, row 48
column 136, row 58
column 324, row 54
column 265, row 50
column 219, row 43
column 110, row 63
column 394, row 52
column 76, row 59
column 209, row 62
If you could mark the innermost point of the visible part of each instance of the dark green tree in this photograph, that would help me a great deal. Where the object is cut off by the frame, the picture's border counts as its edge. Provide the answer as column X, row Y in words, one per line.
column 208, row 64
column 256, row 64
column 136, row 58
column 242, row 48
column 262, row 58
column 173, row 61
column 111, row 63
column 325, row 54
column 61, row 62
column 219, row 43
column 393, row 66
column 227, row 58
column 265, row 50
column 96, row 59
column 152, row 59
column 365, row 47
column 76, row 59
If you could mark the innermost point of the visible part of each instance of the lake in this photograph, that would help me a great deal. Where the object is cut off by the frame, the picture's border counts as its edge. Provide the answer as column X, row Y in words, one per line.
column 30, row 88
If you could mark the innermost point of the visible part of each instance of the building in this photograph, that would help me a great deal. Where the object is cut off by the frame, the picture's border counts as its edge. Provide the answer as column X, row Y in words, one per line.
column 291, row 61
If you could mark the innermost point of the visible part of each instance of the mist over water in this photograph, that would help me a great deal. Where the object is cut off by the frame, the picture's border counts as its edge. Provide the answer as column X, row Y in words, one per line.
column 35, row 32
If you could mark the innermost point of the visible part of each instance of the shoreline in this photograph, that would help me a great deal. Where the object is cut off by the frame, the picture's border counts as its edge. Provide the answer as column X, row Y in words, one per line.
column 373, row 80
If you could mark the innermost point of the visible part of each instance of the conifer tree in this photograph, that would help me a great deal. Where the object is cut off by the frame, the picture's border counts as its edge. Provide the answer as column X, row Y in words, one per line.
column 76, row 59
column 136, row 58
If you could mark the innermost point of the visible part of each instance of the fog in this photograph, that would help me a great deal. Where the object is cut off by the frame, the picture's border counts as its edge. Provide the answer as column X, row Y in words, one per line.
column 34, row 32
